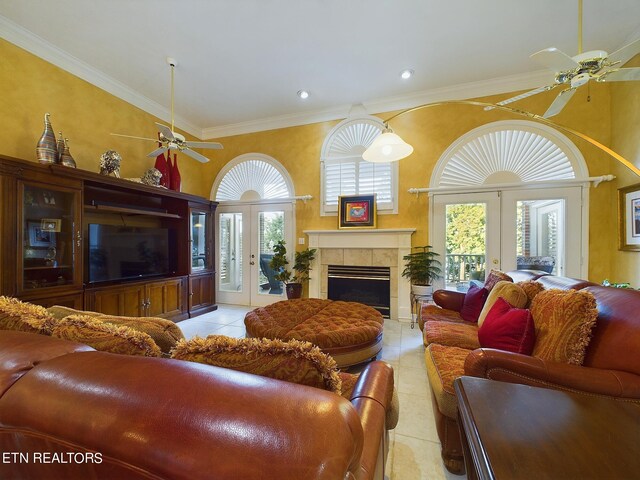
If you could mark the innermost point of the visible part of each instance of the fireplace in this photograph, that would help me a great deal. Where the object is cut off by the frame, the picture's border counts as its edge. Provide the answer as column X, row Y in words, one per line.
column 363, row 284
column 376, row 247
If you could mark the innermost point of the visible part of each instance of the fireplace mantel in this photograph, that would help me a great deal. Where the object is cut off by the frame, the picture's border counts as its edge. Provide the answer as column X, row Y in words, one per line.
column 381, row 247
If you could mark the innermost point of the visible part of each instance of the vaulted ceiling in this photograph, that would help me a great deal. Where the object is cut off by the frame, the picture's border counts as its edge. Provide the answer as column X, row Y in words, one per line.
column 241, row 62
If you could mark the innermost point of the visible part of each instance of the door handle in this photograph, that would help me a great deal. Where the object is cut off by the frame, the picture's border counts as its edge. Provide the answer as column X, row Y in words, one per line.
column 495, row 261
column 252, row 262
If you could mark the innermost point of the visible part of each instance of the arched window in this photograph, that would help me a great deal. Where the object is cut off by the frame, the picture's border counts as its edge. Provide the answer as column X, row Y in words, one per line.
column 252, row 177
column 344, row 172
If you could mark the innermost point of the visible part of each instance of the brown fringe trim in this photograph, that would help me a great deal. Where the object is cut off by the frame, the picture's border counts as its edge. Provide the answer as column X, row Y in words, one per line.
column 213, row 344
column 139, row 340
column 35, row 316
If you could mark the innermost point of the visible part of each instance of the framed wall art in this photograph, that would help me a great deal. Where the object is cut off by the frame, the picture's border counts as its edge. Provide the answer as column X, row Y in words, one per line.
column 357, row 211
column 39, row 237
column 629, row 217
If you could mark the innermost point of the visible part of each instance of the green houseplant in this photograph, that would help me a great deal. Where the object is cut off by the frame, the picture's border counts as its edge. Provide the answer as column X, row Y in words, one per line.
column 301, row 268
column 421, row 268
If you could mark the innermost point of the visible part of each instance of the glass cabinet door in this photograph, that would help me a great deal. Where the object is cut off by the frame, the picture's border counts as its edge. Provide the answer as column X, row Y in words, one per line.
column 200, row 241
column 50, row 235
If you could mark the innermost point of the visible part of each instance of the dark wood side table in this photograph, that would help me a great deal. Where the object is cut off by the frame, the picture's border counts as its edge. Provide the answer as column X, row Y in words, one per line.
column 512, row 432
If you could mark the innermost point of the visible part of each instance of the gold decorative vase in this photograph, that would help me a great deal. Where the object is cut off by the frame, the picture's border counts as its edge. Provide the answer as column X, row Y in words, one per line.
column 66, row 159
column 46, row 150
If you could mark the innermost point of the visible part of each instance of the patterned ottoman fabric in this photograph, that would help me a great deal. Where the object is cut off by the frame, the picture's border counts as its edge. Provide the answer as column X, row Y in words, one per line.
column 325, row 323
column 444, row 365
column 451, row 334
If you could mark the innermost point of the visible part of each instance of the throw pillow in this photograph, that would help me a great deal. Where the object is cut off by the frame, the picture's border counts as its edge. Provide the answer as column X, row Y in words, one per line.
column 292, row 361
column 164, row 333
column 531, row 288
column 105, row 336
column 511, row 292
column 508, row 328
column 24, row 317
column 494, row 277
column 473, row 302
column 564, row 320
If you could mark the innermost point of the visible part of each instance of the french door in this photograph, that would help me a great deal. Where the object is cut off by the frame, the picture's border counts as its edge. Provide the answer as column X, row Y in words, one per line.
column 541, row 229
column 246, row 236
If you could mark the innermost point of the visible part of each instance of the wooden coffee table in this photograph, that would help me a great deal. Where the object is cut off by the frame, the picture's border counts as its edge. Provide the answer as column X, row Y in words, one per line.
column 516, row 432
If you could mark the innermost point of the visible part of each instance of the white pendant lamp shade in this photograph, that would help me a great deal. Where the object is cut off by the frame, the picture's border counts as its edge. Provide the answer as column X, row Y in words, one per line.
column 387, row 147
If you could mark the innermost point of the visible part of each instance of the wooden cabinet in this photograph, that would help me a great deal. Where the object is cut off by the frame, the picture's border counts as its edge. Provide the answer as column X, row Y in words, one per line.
column 48, row 214
column 201, row 294
column 160, row 298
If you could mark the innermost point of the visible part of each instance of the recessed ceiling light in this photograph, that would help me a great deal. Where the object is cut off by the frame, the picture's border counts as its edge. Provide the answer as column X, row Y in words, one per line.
column 406, row 74
column 303, row 94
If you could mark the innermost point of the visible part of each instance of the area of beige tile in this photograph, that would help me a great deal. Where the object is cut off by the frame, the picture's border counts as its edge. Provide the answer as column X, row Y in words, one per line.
column 414, row 449
column 393, row 282
column 385, row 257
column 358, row 256
column 332, row 256
column 324, row 278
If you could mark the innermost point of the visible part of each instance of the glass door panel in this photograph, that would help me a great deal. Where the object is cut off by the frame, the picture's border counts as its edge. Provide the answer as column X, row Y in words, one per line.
column 466, row 232
column 200, row 235
column 231, row 258
column 50, row 237
column 271, row 231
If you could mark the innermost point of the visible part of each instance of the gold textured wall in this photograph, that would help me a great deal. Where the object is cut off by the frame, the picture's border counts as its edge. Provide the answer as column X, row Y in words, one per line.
column 84, row 113
column 87, row 115
column 625, row 139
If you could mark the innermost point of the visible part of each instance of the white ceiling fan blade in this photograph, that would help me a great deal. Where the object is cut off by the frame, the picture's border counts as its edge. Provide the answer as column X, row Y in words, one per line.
column 556, row 60
column 530, row 93
column 560, row 101
column 626, row 53
column 196, row 155
column 157, row 152
column 215, row 145
column 165, row 131
column 131, row 136
column 620, row 75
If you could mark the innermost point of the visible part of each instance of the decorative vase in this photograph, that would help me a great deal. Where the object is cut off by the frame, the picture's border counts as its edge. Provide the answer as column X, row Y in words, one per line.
column 162, row 166
column 46, row 150
column 294, row 290
column 60, row 146
column 66, row 159
column 175, row 174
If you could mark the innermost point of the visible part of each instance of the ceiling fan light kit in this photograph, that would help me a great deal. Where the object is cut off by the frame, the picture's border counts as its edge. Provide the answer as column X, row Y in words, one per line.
column 171, row 140
column 574, row 72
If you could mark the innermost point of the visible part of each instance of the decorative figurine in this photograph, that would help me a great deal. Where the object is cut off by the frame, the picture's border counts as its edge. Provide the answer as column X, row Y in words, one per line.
column 152, row 177
column 66, row 159
column 110, row 163
column 46, row 150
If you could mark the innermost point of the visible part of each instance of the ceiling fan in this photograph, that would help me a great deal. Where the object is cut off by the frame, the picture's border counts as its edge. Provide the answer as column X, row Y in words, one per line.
column 573, row 72
column 170, row 140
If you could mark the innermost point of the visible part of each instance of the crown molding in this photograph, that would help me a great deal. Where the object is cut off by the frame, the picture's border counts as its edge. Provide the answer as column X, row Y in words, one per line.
column 36, row 45
column 455, row 92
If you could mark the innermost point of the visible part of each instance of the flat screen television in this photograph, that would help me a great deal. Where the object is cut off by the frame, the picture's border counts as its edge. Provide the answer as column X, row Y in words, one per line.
column 121, row 253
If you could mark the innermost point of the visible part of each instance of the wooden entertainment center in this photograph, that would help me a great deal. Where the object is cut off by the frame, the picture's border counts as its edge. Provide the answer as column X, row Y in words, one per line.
column 44, row 243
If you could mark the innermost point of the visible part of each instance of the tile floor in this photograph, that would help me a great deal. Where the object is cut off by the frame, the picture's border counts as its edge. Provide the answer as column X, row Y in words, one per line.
column 414, row 452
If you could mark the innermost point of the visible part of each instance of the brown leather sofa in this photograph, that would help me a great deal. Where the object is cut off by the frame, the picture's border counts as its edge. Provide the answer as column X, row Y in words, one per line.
column 67, row 411
column 611, row 367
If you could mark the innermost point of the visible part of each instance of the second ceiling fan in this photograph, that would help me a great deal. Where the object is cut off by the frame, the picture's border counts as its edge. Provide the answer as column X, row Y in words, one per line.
column 170, row 140
column 573, row 72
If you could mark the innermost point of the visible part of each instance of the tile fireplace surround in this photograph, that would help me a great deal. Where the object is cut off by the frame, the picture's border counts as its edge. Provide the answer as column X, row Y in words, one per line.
column 376, row 247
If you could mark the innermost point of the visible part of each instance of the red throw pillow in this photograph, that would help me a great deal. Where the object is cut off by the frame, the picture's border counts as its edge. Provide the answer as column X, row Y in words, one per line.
column 508, row 328
column 473, row 303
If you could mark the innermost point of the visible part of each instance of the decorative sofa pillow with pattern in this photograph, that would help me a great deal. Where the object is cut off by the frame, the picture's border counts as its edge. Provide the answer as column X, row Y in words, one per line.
column 291, row 361
column 564, row 320
column 164, row 333
column 25, row 317
column 494, row 277
column 105, row 336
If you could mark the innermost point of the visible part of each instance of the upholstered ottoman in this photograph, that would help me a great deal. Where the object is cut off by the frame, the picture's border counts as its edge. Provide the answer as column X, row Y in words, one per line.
column 348, row 331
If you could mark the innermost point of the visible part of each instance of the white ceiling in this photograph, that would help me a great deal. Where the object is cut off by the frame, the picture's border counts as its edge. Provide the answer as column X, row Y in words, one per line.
column 241, row 62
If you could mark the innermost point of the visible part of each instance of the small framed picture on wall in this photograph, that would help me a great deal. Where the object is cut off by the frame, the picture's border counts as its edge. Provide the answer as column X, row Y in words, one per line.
column 629, row 217
column 357, row 211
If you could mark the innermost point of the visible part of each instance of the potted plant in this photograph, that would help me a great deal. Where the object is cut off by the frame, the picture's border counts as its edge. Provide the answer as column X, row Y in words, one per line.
column 301, row 268
column 421, row 268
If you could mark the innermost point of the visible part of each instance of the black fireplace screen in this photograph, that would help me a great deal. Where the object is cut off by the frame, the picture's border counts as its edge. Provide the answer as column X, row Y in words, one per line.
column 368, row 285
